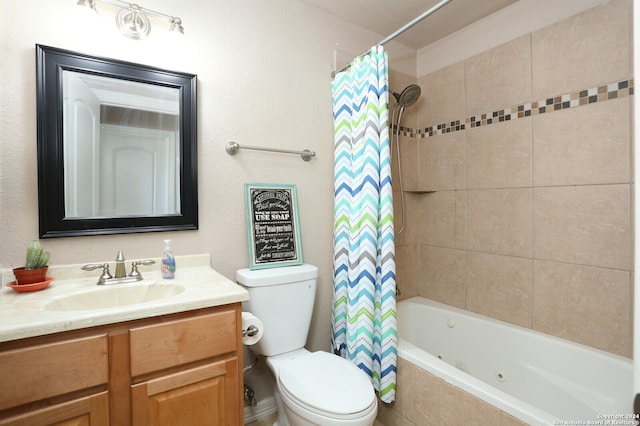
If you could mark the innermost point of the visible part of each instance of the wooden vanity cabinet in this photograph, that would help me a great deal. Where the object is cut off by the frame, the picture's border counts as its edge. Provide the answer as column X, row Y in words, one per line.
column 187, row 371
column 180, row 369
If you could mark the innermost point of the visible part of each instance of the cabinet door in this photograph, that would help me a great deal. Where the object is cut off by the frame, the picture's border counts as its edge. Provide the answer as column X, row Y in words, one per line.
column 88, row 411
column 204, row 395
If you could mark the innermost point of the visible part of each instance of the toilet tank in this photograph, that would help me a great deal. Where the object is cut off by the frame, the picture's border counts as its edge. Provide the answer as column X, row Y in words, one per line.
column 282, row 298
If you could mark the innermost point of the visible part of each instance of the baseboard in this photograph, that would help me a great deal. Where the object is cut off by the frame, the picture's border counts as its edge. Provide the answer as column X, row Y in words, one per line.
column 264, row 408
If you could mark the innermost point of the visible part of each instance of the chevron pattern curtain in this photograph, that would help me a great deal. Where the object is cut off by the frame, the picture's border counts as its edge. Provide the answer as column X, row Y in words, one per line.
column 364, row 298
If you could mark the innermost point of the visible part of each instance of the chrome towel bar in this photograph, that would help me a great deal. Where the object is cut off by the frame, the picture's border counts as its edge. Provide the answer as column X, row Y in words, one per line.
column 233, row 147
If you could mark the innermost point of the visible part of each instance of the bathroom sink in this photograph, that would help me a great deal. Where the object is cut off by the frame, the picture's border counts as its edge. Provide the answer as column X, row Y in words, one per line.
column 114, row 296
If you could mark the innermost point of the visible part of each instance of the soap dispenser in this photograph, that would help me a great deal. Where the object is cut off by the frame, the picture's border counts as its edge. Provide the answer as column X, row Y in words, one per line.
column 168, row 267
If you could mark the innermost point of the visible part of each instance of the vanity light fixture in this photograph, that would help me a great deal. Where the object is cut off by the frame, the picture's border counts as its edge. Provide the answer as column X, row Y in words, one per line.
column 133, row 19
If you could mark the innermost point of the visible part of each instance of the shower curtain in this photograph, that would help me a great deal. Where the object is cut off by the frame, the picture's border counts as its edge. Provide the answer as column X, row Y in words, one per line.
column 363, row 316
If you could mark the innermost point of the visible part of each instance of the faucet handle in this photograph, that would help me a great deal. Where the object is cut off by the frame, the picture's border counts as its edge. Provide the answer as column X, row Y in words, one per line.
column 105, row 269
column 134, row 271
column 105, row 272
column 91, row 266
column 134, row 267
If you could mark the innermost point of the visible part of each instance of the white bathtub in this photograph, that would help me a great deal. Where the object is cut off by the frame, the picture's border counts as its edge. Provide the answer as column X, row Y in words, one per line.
column 532, row 376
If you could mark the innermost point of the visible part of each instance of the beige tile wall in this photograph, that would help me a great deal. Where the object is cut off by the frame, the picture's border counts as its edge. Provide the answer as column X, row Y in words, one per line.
column 424, row 399
column 531, row 218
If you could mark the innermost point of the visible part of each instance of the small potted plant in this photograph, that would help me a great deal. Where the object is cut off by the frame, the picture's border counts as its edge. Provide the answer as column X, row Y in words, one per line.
column 35, row 268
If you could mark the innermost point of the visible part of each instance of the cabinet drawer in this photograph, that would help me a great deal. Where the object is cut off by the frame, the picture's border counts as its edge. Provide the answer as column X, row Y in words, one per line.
column 43, row 371
column 159, row 346
column 89, row 410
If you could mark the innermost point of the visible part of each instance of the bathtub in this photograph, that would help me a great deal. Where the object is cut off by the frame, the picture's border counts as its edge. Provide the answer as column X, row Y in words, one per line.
column 534, row 377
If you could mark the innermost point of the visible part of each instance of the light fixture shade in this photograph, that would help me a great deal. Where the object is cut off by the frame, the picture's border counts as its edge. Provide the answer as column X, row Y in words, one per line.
column 132, row 20
column 133, row 23
column 87, row 7
column 176, row 26
column 91, row 4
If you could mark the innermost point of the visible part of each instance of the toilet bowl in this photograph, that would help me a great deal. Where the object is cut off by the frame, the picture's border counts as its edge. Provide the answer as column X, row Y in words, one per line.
column 312, row 388
column 319, row 388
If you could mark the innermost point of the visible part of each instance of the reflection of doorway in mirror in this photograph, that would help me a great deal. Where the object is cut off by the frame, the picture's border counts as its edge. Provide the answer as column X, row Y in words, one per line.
column 138, row 172
column 121, row 148
column 81, row 140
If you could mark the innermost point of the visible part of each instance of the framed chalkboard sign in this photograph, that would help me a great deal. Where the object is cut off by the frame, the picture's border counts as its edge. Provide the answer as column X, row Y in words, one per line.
column 272, row 224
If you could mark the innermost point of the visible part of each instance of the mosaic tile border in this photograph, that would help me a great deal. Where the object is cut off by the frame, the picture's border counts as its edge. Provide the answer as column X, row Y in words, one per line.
column 404, row 131
column 573, row 99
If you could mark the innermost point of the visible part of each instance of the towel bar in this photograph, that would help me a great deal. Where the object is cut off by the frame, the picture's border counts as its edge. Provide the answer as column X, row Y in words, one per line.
column 233, row 147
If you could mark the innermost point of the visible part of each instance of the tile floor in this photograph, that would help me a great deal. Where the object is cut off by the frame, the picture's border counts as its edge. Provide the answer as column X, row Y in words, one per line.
column 268, row 421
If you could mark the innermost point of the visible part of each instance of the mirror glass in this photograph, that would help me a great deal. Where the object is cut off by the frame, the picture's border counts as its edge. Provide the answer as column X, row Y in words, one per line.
column 116, row 146
column 121, row 150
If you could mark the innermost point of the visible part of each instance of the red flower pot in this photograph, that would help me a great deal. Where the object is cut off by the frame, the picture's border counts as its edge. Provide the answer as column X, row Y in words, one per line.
column 30, row 276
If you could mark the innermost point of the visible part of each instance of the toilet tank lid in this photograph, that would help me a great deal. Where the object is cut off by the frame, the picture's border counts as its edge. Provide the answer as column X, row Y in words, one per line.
column 273, row 276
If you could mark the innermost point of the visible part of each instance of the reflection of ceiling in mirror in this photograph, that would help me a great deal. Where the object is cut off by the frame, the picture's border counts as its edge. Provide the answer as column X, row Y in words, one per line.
column 118, row 92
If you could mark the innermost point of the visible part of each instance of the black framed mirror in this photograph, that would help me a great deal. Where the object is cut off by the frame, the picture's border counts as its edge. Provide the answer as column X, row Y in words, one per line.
column 116, row 146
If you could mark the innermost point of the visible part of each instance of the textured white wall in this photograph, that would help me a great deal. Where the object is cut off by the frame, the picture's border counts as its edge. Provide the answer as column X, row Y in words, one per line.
column 263, row 79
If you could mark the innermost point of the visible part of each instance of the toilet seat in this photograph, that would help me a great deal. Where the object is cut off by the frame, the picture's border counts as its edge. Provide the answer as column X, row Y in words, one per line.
column 327, row 385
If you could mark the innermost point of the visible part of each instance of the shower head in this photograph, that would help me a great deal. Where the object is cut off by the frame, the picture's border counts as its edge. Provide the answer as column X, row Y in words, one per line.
column 408, row 96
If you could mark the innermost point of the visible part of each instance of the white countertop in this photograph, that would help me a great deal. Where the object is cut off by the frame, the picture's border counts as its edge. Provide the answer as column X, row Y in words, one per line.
column 24, row 315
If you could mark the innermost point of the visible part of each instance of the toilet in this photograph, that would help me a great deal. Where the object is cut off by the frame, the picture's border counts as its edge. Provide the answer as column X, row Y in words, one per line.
column 312, row 388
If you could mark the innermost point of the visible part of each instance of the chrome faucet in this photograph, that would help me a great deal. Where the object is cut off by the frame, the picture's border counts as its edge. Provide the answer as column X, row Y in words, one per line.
column 120, row 275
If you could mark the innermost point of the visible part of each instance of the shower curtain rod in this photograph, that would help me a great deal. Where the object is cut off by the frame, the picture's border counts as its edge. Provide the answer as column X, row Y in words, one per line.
column 398, row 32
